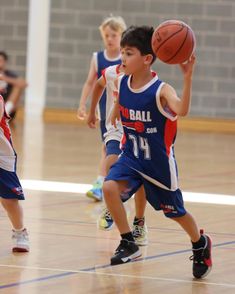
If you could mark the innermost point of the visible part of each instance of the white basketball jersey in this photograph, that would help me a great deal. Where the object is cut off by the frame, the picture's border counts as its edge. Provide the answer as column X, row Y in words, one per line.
column 110, row 74
column 7, row 153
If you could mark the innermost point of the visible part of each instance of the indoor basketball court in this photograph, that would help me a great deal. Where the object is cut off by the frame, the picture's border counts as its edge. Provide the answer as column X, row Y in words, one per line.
column 58, row 155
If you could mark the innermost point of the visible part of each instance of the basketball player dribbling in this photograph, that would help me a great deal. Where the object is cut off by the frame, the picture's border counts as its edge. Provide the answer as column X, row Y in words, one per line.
column 148, row 157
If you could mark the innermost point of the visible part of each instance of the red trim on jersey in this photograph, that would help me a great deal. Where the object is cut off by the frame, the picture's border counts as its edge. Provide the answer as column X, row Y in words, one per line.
column 118, row 69
column 154, row 73
column 170, row 132
column 3, row 123
column 103, row 74
column 123, row 141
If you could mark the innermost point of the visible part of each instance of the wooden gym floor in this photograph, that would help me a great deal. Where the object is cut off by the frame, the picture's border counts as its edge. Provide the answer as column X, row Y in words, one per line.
column 70, row 255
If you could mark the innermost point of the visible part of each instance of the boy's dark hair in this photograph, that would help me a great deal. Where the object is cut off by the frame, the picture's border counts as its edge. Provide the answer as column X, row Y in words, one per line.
column 4, row 55
column 139, row 37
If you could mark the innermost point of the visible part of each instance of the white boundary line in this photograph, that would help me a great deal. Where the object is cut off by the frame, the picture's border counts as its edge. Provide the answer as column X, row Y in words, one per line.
column 117, row 275
column 49, row 186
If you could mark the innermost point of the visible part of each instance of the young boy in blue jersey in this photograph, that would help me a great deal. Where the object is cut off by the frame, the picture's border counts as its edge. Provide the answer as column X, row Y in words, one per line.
column 111, row 30
column 148, row 109
column 10, row 189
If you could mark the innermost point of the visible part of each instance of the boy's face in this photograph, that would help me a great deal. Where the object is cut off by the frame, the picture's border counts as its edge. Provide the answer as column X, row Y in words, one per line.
column 111, row 38
column 132, row 60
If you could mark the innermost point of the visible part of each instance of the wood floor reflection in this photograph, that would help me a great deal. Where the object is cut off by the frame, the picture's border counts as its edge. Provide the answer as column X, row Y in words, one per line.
column 70, row 255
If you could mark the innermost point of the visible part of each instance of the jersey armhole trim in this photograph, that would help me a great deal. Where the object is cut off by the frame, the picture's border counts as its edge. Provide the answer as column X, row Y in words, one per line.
column 95, row 60
column 119, row 79
column 159, row 105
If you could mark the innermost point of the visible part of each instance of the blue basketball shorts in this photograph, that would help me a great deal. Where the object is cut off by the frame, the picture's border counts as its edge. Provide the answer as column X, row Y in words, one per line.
column 170, row 202
column 10, row 187
column 113, row 147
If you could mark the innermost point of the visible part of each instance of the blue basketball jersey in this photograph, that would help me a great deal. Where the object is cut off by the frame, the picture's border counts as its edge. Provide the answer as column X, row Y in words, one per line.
column 150, row 133
column 102, row 63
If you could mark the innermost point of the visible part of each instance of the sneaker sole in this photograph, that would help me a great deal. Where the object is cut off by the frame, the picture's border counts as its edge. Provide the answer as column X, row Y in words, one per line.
column 129, row 258
column 206, row 273
column 105, row 229
column 141, row 243
column 93, row 196
column 209, row 268
column 18, row 249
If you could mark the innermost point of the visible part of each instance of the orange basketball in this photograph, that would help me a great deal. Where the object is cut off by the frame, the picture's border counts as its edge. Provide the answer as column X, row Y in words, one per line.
column 173, row 42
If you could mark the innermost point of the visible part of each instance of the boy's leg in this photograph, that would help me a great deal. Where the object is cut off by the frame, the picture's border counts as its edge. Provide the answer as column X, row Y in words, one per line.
column 140, row 203
column 112, row 191
column 171, row 203
column 15, row 214
column 201, row 243
column 105, row 221
column 14, row 211
column 96, row 191
column 139, row 228
column 13, row 101
column 11, row 192
column 188, row 223
column 127, row 250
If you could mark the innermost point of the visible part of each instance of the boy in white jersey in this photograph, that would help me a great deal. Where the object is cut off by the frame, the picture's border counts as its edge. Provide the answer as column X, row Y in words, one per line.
column 112, row 139
column 10, row 189
column 148, row 109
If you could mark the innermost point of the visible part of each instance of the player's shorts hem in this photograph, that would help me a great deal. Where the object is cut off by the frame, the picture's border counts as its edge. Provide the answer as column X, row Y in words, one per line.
column 113, row 147
column 10, row 187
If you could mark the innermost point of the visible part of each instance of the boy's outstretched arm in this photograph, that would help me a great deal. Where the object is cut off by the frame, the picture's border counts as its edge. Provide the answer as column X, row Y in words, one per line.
column 168, row 94
column 96, row 94
column 86, row 90
column 15, row 82
column 115, row 116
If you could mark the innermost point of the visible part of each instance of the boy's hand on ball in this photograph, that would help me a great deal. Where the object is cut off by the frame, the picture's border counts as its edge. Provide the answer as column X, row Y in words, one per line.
column 188, row 66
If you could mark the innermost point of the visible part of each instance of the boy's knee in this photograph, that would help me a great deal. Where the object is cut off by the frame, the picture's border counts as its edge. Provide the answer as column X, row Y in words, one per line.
column 8, row 203
column 107, row 188
column 176, row 218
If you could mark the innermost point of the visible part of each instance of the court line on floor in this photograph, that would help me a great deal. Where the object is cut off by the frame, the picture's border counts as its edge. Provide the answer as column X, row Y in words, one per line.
column 93, row 270
column 78, row 188
column 68, row 222
column 161, row 255
column 65, row 273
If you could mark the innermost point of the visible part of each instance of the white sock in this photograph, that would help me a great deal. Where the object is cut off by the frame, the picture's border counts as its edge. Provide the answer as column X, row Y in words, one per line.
column 18, row 230
column 100, row 179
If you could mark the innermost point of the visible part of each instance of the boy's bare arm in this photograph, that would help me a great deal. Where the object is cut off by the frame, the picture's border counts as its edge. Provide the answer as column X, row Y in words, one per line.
column 86, row 90
column 115, row 116
column 96, row 94
column 15, row 82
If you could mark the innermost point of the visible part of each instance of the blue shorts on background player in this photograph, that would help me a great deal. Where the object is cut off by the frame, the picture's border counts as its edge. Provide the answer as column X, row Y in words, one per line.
column 148, row 109
column 10, row 189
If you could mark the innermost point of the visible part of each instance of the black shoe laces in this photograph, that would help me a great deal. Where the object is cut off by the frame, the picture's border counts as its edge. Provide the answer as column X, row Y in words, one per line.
column 137, row 231
column 200, row 254
column 121, row 246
